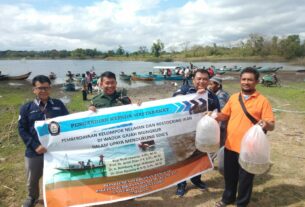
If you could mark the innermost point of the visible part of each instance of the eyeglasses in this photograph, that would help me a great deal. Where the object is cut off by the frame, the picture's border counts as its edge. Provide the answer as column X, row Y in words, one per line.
column 42, row 88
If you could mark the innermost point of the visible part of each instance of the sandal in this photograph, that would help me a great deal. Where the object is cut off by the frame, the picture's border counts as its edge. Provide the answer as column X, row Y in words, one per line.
column 220, row 204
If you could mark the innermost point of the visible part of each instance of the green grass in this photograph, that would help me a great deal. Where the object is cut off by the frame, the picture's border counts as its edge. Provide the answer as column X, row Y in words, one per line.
column 76, row 103
column 12, row 181
column 290, row 96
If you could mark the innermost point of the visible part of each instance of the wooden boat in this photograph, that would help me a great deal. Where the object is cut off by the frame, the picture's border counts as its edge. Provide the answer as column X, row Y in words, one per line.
column 3, row 77
column 124, row 76
column 19, row 77
column 79, row 167
column 69, row 87
column 219, row 72
column 142, row 77
column 158, row 77
column 269, row 69
column 301, row 71
column 167, row 73
column 52, row 76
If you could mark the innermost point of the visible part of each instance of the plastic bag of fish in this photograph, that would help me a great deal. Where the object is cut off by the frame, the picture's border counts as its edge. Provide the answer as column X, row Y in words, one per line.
column 254, row 154
column 207, row 135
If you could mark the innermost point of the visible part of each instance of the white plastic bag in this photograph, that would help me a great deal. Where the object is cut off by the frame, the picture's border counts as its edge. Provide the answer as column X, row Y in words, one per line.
column 255, row 152
column 207, row 134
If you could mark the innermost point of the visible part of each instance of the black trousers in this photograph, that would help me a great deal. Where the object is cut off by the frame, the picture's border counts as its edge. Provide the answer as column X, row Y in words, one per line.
column 84, row 92
column 236, row 178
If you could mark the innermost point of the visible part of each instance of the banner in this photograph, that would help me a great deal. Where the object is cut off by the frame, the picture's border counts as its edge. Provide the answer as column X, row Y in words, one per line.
column 123, row 152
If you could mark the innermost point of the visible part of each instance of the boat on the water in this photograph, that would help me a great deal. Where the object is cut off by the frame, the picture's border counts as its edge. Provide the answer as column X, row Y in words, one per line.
column 124, row 76
column 3, row 77
column 301, row 71
column 79, row 167
column 219, row 72
column 142, row 77
column 168, row 73
column 269, row 69
column 52, row 76
column 69, row 87
column 18, row 77
column 158, row 77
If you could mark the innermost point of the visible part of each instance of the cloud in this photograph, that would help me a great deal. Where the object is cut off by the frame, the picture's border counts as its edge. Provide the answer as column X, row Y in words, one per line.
column 133, row 23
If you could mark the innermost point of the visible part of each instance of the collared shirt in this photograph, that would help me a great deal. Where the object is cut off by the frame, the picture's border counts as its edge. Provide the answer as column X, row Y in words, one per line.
column 117, row 99
column 213, row 102
column 257, row 105
column 36, row 111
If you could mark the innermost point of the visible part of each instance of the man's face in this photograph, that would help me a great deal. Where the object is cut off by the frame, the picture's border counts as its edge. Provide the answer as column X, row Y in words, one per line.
column 108, row 85
column 213, row 86
column 42, row 90
column 201, row 81
column 248, row 82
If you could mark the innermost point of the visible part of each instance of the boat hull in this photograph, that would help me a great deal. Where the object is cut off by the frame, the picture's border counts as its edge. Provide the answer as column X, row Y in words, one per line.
column 159, row 77
column 19, row 77
column 125, row 77
column 142, row 78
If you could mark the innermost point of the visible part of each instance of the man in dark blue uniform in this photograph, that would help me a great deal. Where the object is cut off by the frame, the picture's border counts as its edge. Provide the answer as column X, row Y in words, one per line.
column 41, row 108
column 200, row 82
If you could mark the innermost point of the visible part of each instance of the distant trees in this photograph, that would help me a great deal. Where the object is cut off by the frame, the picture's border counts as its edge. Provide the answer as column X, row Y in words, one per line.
column 255, row 45
column 120, row 51
column 291, row 47
column 157, row 48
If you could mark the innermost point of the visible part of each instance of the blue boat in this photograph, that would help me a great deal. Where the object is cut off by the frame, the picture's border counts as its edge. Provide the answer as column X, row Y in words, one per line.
column 167, row 73
column 269, row 69
column 159, row 77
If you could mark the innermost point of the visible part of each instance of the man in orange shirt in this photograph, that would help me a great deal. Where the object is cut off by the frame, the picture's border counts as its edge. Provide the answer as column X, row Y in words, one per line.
column 238, row 124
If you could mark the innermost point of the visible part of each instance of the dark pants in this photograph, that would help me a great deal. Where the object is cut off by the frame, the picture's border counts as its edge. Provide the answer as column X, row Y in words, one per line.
column 223, row 135
column 90, row 87
column 195, row 179
column 84, row 92
column 236, row 176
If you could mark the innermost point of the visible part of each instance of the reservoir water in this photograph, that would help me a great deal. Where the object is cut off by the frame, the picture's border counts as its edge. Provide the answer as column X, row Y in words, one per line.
column 60, row 67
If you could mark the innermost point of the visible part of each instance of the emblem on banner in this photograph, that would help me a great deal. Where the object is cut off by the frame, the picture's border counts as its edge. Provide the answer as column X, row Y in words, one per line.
column 54, row 128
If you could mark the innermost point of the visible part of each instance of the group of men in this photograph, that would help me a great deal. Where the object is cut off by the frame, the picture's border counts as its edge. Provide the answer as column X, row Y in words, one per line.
column 236, row 179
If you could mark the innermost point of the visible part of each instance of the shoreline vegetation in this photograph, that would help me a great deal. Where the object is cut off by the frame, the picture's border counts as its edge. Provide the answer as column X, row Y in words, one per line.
column 255, row 48
column 296, row 61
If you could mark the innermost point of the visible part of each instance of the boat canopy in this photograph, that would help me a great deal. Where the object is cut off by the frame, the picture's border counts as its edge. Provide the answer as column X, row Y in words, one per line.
column 166, row 67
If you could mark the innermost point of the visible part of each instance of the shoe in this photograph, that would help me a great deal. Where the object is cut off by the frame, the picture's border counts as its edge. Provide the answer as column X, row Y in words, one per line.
column 29, row 202
column 199, row 184
column 181, row 190
column 220, row 204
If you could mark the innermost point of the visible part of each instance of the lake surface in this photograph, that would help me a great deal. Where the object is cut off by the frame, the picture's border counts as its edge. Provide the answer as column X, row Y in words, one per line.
column 60, row 67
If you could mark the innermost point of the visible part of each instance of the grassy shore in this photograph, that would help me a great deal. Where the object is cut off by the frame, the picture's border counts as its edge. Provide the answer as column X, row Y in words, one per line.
column 284, row 185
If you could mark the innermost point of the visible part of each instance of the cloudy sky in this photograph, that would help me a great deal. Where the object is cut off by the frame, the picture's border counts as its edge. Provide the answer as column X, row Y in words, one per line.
column 106, row 24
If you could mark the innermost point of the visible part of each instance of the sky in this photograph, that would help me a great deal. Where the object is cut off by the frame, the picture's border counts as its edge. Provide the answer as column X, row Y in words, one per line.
column 108, row 24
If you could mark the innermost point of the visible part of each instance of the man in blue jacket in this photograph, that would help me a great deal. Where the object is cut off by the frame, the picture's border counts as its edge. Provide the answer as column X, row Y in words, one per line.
column 41, row 108
column 200, row 82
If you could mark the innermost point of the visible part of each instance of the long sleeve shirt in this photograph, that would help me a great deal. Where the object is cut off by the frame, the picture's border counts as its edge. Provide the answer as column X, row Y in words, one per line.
column 36, row 111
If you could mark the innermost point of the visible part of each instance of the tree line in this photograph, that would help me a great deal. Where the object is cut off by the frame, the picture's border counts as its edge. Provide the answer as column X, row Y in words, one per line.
column 289, row 47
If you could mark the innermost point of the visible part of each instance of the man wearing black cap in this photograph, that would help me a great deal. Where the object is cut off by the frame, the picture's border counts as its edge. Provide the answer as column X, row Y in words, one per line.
column 200, row 82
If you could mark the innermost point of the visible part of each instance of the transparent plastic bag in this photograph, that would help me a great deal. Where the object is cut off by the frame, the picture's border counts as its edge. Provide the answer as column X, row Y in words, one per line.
column 221, row 159
column 254, row 154
column 207, row 134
